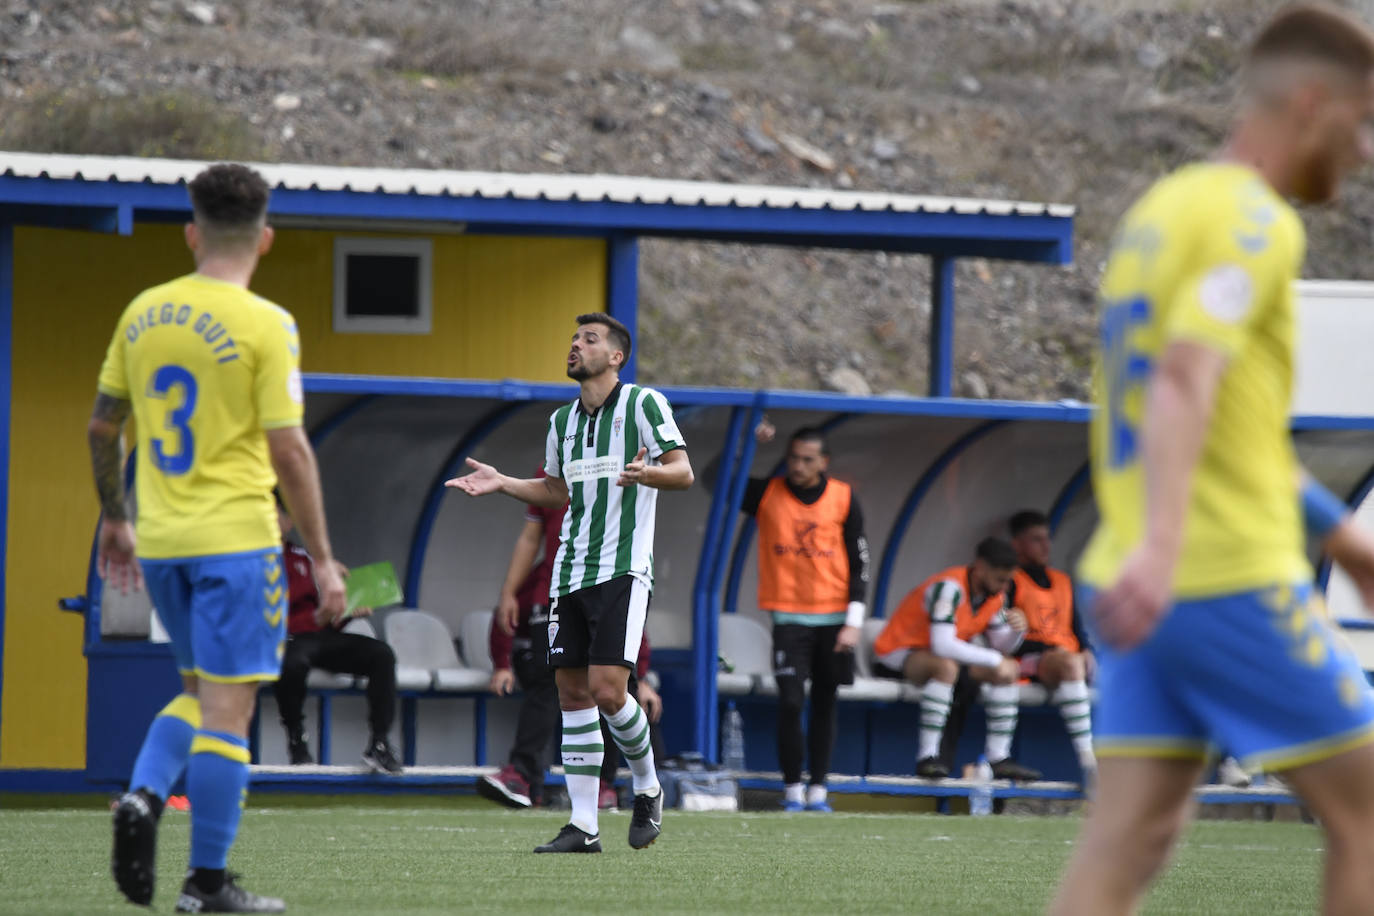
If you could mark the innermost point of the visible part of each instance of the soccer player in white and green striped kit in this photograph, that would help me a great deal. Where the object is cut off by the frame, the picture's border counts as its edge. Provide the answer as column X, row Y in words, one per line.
column 607, row 455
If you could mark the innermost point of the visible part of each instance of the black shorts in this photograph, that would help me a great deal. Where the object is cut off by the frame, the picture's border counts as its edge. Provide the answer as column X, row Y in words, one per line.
column 809, row 652
column 599, row 625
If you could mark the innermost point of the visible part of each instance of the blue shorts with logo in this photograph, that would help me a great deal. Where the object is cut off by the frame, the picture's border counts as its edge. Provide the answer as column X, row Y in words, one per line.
column 225, row 614
column 1261, row 675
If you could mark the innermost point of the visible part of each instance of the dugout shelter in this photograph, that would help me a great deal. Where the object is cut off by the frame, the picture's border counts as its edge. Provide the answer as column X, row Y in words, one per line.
column 472, row 367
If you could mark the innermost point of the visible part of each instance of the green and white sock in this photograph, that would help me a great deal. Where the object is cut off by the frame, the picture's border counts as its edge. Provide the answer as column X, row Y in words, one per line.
column 935, row 699
column 582, row 755
column 1001, row 703
column 630, row 728
column 1072, row 700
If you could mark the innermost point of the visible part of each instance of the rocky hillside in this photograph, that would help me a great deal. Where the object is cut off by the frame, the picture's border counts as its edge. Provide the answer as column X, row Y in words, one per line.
column 1056, row 100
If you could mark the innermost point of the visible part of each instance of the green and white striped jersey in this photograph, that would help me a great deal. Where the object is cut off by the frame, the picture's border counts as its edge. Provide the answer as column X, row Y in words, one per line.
column 608, row 531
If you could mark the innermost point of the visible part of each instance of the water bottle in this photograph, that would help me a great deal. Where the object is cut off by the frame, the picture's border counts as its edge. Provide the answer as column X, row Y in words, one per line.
column 980, row 796
column 732, row 740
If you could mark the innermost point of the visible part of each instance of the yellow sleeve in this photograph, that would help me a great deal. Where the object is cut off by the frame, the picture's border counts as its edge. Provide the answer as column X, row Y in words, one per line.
column 113, row 380
column 1245, row 257
column 277, row 386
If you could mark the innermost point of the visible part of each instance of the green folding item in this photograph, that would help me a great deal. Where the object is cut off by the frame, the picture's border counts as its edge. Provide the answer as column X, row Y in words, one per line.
column 373, row 585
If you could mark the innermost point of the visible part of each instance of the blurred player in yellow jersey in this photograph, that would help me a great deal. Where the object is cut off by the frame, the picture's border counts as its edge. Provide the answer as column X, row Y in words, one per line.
column 210, row 373
column 1198, row 586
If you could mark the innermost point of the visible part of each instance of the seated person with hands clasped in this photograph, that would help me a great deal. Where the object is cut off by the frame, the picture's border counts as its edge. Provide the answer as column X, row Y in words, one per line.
column 930, row 635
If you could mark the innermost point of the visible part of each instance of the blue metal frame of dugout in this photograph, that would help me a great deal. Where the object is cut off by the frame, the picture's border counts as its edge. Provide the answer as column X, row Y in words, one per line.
column 716, row 582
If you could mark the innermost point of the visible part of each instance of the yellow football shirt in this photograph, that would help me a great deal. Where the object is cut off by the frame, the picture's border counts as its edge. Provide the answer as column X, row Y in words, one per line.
column 1209, row 255
column 208, row 367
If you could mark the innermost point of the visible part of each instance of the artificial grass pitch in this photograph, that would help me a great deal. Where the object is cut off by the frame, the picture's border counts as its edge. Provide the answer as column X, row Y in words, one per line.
column 357, row 855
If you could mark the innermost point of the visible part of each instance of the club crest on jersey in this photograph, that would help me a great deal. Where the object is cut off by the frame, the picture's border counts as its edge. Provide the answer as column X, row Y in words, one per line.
column 617, row 424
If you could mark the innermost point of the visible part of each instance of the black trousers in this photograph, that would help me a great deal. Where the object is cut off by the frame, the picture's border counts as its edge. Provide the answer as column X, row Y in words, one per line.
column 801, row 653
column 539, row 719
column 342, row 653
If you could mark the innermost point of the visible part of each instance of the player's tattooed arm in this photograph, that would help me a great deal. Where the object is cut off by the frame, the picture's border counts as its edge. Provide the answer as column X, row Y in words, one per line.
column 107, row 453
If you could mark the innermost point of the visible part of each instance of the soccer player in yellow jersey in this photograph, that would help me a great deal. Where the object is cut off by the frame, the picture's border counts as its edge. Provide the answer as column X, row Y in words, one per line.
column 210, row 373
column 1198, row 584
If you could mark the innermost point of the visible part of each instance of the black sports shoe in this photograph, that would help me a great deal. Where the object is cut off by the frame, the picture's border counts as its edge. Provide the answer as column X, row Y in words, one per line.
column 931, row 768
column 1006, row 768
column 299, row 751
column 230, row 898
column 381, row 758
column 572, row 839
column 134, row 858
column 647, row 821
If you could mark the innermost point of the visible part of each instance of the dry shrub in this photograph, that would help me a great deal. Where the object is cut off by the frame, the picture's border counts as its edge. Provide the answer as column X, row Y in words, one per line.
column 174, row 125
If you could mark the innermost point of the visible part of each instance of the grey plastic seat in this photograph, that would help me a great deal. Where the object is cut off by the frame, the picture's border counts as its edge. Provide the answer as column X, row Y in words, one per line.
column 423, row 647
column 475, row 632
column 748, row 646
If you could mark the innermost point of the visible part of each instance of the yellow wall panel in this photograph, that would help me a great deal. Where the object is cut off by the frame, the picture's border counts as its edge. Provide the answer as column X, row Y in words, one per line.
column 69, row 288
column 503, row 308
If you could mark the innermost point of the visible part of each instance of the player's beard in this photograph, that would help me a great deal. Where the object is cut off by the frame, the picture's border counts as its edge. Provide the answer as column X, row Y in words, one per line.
column 581, row 370
column 1319, row 180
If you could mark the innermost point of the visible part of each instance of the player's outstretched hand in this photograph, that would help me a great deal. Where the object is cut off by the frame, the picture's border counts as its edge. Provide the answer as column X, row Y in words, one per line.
column 636, row 471
column 115, row 558
column 1128, row 612
column 482, row 480
column 333, row 601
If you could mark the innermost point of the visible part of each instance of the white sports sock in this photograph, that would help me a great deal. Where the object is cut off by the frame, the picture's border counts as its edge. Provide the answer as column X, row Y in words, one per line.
column 1072, row 699
column 630, row 728
column 1001, row 703
column 816, row 795
column 935, row 699
column 794, row 792
column 583, row 752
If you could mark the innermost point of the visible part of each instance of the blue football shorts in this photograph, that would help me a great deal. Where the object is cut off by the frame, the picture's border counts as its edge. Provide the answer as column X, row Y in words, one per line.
column 225, row 614
column 1260, row 675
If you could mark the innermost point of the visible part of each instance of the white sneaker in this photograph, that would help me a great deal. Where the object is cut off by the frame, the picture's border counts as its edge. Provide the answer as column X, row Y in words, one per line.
column 1230, row 773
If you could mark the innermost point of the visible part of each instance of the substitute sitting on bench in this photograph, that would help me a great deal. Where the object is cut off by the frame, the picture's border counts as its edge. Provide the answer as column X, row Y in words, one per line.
column 928, row 638
column 311, row 644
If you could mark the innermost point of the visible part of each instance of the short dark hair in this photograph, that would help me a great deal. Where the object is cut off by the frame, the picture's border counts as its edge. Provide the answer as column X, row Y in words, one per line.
column 1318, row 33
column 1027, row 518
column 811, row 434
column 616, row 330
column 997, row 553
column 229, row 202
